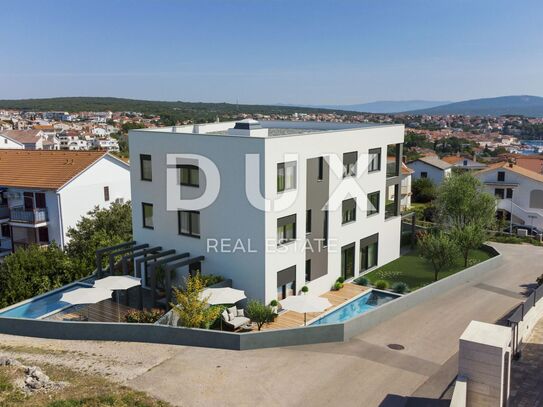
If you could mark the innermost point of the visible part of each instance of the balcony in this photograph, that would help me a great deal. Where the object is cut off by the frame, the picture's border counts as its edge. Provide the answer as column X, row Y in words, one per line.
column 32, row 216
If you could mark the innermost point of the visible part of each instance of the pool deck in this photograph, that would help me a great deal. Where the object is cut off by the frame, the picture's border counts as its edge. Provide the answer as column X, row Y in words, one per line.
column 291, row 319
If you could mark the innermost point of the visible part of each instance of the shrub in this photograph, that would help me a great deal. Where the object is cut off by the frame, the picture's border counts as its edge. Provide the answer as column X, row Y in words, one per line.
column 194, row 312
column 423, row 190
column 259, row 313
column 381, row 284
column 340, row 279
column 400, row 287
column 211, row 279
column 539, row 280
column 363, row 281
column 274, row 303
column 147, row 316
column 305, row 289
column 338, row 286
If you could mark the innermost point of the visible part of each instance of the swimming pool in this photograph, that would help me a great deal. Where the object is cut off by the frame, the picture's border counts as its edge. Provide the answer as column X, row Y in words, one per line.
column 42, row 306
column 358, row 306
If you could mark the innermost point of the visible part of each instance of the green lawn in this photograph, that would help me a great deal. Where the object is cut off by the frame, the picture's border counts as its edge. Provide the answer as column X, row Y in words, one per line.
column 417, row 272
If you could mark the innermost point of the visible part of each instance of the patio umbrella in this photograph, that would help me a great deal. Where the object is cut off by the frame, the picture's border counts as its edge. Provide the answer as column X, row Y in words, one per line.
column 225, row 295
column 118, row 283
column 304, row 304
column 90, row 295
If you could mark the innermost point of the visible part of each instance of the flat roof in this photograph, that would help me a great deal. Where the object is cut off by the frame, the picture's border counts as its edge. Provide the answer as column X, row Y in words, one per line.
column 276, row 128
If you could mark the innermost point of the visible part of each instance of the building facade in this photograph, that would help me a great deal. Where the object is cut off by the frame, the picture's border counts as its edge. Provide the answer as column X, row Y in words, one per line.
column 299, row 203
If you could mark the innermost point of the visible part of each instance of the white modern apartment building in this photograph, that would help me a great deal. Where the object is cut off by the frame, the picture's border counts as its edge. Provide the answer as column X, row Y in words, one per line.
column 44, row 193
column 299, row 203
column 519, row 192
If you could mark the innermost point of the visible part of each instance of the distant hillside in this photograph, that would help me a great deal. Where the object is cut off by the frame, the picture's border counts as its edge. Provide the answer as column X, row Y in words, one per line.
column 531, row 106
column 199, row 112
column 389, row 106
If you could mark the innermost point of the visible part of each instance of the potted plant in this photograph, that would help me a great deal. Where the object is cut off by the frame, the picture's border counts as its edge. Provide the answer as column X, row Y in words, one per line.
column 339, row 283
column 274, row 306
column 305, row 289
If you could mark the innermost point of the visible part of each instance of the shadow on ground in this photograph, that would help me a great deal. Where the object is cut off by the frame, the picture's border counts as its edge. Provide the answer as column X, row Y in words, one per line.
column 393, row 400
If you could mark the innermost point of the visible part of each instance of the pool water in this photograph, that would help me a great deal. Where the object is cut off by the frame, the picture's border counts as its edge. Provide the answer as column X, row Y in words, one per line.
column 359, row 306
column 40, row 307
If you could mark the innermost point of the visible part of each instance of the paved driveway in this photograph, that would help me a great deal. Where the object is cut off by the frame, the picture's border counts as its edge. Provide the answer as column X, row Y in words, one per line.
column 360, row 372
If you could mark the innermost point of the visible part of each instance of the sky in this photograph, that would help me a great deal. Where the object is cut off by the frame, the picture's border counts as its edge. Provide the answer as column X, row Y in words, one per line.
column 272, row 51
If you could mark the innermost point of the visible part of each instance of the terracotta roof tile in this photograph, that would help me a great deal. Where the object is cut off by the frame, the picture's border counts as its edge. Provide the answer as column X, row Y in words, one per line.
column 514, row 168
column 23, row 136
column 43, row 169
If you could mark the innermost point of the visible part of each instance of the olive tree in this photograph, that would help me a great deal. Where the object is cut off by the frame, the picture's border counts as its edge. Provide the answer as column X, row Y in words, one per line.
column 439, row 249
column 467, row 238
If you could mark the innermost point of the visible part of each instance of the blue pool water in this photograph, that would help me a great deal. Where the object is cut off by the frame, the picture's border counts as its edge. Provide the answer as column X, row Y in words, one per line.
column 42, row 306
column 362, row 304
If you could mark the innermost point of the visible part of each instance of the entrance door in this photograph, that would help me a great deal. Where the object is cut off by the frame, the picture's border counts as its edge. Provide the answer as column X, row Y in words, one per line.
column 347, row 261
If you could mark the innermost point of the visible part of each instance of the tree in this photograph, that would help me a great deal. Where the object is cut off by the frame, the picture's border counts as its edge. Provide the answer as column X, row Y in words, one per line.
column 461, row 200
column 469, row 237
column 439, row 249
column 100, row 228
column 259, row 313
column 423, row 190
column 192, row 310
column 33, row 271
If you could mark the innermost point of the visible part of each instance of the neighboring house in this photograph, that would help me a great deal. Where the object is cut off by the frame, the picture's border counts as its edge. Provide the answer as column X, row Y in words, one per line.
column 406, row 187
column 530, row 162
column 43, row 193
column 106, row 143
column 73, row 141
column 464, row 163
column 288, row 212
column 430, row 167
column 22, row 139
column 519, row 192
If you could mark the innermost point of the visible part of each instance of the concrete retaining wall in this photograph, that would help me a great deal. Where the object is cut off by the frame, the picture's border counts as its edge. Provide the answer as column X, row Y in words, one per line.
column 153, row 333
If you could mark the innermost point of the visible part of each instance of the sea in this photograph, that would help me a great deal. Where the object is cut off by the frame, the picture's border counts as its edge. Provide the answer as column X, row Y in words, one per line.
column 531, row 147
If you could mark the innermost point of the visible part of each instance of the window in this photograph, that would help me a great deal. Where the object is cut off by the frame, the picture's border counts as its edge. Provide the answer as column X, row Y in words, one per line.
column 374, row 160
column 499, row 193
column 536, row 198
column 349, row 164
column 325, row 230
column 189, row 223
column 286, row 229
column 391, row 202
column 369, row 248
column 347, row 261
column 43, row 235
column 189, row 175
column 424, row 174
column 6, row 230
column 321, row 169
column 393, row 160
column 373, row 203
column 509, row 193
column 146, row 168
column 501, row 176
column 465, row 163
column 286, row 176
column 3, row 198
column 308, row 270
column 308, row 221
column 348, row 211
column 286, row 283
column 147, row 210
column 106, row 194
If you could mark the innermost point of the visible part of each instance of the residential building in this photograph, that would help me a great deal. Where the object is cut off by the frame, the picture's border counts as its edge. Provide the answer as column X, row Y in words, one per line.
column 44, row 193
column 430, row 167
column 106, row 143
column 299, row 203
column 464, row 163
column 406, row 187
column 519, row 192
column 22, row 139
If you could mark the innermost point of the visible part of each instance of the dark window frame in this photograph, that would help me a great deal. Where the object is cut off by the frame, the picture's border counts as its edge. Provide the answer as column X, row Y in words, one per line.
column 371, row 166
column 190, row 168
column 308, row 220
column 308, row 270
column 143, row 206
column 190, row 227
column 320, row 172
column 499, row 193
column 424, row 174
column 282, row 224
column 284, row 166
column 350, row 165
column 509, row 193
column 364, row 249
column 106, row 193
column 348, row 211
column 146, row 157
column 369, row 211
column 501, row 176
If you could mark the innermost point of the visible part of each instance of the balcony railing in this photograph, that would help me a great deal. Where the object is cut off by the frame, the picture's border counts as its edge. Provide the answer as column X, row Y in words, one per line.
column 29, row 216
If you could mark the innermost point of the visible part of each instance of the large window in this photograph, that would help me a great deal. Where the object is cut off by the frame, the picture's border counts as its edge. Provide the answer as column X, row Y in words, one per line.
column 145, row 167
column 499, row 193
column 369, row 248
column 392, row 197
column 347, row 261
column 189, row 223
column 348, row 210
column 189, row 175
column 349, row 164
column 286, row 283
column 373, row 203
column 286, row 176
column 393, row 160
column 286, row 229
column 147, row 210
column 374, row 160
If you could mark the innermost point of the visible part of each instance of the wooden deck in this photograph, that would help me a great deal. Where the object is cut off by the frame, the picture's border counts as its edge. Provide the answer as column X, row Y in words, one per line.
column 291, row 319
column 104, row 311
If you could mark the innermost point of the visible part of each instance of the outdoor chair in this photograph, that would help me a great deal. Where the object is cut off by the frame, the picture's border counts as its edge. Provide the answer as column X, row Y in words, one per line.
column 234, row 318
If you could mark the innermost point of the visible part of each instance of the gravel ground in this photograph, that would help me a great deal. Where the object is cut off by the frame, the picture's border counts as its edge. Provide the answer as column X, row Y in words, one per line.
column 118, row 361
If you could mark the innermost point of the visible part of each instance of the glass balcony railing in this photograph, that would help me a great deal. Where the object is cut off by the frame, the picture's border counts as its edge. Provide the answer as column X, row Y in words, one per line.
column 34, row 216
